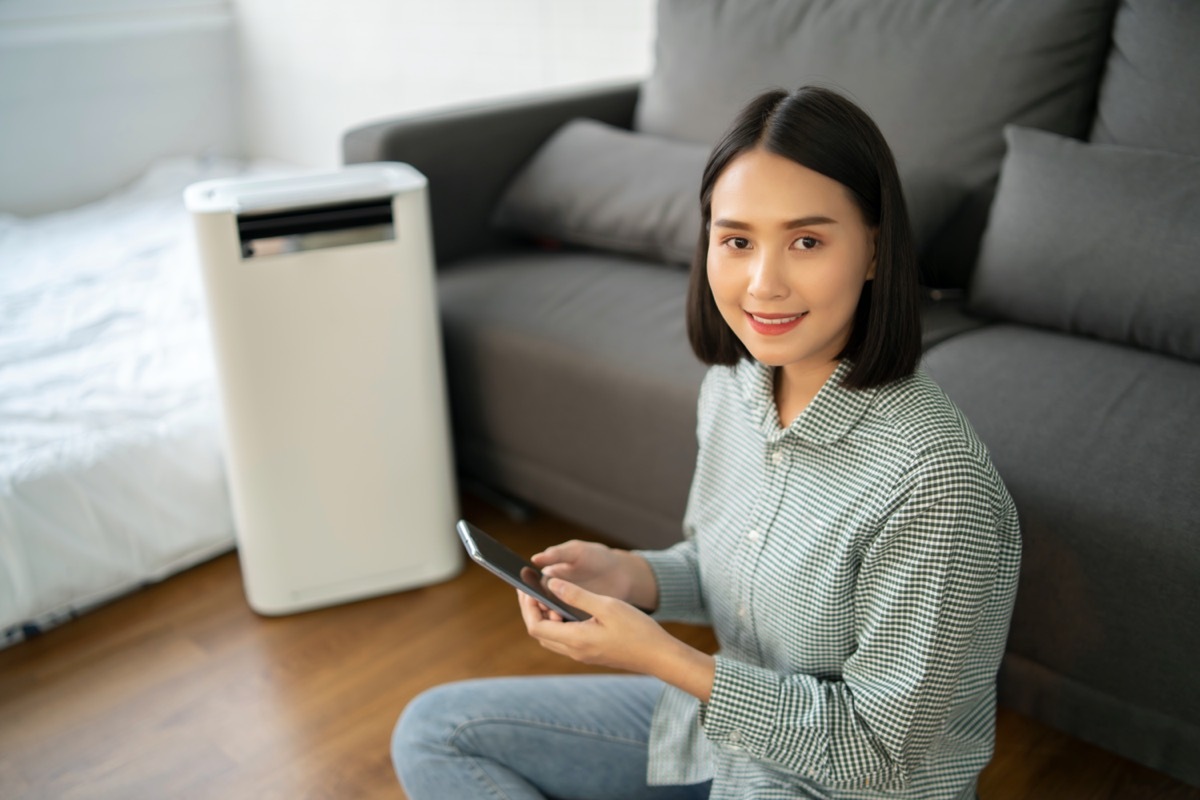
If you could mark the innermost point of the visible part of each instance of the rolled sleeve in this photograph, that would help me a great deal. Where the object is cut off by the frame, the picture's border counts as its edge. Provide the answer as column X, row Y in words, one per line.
column 677, row 573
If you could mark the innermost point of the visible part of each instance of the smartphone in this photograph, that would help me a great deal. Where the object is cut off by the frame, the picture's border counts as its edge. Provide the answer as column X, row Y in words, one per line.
column 499, row 559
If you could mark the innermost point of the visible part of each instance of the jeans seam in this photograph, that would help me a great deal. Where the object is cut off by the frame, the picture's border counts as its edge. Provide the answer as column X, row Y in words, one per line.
column 476, row 767
column 536, row 723
column 484, row 777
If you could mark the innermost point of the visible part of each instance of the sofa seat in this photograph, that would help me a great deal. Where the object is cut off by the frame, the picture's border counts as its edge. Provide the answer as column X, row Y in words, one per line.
column 1097, row 445
column 551, row 355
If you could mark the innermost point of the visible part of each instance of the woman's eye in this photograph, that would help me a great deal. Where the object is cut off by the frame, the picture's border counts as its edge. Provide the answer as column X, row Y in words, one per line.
column 806, row 243
column 738, row 242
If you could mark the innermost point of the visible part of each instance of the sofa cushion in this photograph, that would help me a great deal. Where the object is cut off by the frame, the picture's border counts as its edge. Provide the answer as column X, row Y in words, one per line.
column 595, row 185
column 1149, row 93
column 1096, row 443
column 940, row 79
column 1095, row 239
column 572, row 384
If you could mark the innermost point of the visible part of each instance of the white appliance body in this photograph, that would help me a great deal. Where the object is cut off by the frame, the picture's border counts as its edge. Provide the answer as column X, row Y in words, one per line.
column 328, row 353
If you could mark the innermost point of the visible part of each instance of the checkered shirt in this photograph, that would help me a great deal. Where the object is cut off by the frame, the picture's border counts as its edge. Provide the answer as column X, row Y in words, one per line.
column 858, row 568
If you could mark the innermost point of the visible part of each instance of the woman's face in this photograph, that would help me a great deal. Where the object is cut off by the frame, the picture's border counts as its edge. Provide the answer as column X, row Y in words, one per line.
column 788, row 254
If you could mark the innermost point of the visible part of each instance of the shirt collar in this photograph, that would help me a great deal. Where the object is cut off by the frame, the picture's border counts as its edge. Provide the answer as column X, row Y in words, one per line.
column 830, row 416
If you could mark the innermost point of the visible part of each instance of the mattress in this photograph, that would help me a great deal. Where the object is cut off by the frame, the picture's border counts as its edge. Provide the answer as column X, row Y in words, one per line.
column 111, row 472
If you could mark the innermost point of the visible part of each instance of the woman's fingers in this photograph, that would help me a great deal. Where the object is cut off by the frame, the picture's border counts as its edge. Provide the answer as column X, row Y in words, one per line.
column 564, row 553
column 532, row 610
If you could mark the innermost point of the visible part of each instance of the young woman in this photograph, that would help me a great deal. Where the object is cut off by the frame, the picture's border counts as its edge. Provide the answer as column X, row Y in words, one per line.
column 846, row 534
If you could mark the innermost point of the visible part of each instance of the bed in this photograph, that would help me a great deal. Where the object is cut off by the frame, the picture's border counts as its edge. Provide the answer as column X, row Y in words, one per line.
column 111, row 472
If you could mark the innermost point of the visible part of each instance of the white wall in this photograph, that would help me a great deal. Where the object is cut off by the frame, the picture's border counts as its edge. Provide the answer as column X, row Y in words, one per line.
column 92, row 91
column 313, row 69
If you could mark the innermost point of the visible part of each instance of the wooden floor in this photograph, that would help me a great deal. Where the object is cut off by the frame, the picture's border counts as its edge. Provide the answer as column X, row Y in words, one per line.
column 180, row 691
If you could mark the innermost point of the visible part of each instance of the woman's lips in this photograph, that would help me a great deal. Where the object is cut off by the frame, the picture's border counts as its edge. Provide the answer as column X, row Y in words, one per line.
column 774, row 324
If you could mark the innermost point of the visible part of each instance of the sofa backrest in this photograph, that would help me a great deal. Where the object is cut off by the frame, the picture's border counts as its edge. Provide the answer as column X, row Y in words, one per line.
column 1150, row 94
column 941, row 79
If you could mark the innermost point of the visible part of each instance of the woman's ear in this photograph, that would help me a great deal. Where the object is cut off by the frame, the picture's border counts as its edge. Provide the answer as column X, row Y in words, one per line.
column 874, row 234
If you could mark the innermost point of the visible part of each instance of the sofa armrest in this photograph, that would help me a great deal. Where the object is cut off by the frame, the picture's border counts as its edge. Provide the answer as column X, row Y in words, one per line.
column 470, row 154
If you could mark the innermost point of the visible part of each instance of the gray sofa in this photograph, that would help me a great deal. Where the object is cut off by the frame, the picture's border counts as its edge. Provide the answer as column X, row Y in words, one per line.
column 1051, row 155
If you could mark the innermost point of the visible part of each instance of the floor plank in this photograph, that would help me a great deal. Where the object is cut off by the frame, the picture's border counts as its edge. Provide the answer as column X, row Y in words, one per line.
column 181, row 691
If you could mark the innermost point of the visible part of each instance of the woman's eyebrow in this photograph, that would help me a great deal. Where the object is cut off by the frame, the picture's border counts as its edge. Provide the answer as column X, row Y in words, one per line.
column 802, row 222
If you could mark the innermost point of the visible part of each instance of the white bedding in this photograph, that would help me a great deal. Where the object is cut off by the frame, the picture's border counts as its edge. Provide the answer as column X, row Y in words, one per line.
column 110, row 464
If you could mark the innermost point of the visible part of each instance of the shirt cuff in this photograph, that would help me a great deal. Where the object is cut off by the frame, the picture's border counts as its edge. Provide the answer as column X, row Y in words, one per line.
column 678, row 579
column 736, row 692
column 747, row 710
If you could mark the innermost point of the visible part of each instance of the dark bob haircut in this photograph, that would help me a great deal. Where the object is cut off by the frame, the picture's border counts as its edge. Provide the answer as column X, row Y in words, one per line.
column 823, row 131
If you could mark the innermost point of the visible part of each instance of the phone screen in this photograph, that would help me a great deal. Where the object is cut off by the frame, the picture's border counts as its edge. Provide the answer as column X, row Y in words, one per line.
column 518, row 571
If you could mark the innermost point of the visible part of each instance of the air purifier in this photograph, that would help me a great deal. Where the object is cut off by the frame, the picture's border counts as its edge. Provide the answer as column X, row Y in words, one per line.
column 323, row 315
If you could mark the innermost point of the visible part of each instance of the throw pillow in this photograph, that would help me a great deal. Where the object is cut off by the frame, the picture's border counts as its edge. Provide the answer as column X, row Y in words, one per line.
column 598, row 186
column 1095, row 239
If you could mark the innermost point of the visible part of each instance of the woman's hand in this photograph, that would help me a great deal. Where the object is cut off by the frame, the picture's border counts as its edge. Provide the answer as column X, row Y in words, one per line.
column 618, row 636
column 601, row 570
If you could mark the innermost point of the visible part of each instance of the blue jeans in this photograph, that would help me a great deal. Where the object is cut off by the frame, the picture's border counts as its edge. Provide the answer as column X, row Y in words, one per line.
column 572, row 738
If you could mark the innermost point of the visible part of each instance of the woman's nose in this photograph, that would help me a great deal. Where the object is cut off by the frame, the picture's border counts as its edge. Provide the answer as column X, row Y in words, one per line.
column 767, row 278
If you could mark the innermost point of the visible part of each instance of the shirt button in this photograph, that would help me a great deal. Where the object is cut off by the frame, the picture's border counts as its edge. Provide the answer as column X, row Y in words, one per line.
column 735, row 736
column 741, row 611
column 753, row 536
column 777, row 457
